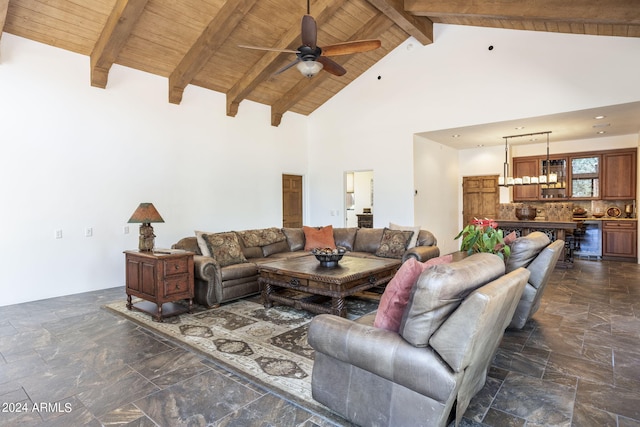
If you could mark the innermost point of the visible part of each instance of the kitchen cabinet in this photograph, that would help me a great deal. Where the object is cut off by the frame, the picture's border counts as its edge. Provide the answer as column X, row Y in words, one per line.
column 619, row 174
column 601, row 175
column 526, row 166
column 619, row 239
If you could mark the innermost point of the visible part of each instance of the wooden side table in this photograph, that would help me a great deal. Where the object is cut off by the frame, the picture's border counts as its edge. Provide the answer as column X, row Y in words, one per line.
column 159, row 277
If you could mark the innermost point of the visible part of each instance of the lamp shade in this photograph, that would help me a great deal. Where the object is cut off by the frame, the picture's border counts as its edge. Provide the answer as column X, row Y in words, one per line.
column 145, row 213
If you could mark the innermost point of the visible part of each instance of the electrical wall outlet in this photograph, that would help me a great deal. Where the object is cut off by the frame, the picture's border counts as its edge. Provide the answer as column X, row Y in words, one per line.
column 125, row 229
column 88, row 232
column 58, row 233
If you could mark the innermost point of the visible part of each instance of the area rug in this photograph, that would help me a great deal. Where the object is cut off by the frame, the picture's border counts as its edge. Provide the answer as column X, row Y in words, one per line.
column 267, row 346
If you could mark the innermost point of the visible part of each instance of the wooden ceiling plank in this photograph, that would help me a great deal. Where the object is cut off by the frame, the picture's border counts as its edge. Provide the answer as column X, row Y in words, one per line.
column 269, row 62
column 593, row 11
column 114, row 35
column 376, row 25
column 213, row 36
column 421, row 28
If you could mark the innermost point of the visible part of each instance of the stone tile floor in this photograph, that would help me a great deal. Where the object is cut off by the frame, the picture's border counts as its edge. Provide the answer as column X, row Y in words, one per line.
column 67, row 362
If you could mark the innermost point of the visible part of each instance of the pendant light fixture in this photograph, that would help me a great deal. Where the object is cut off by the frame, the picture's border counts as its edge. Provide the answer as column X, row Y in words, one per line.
column 506, row 181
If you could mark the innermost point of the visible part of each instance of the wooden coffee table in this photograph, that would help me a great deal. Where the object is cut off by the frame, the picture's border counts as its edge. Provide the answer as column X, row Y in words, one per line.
column 305, row 274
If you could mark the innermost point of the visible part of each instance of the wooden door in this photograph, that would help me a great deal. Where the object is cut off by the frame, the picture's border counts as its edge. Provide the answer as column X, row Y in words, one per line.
column 480, row 197
column 292, row 201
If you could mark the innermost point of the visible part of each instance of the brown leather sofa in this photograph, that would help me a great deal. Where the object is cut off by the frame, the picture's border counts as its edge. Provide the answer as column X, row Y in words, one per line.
column 216, row 284
column 539, row 255
column 426, row 373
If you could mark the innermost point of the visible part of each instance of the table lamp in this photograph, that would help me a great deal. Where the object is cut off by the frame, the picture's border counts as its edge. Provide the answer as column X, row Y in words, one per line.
column 145, row 214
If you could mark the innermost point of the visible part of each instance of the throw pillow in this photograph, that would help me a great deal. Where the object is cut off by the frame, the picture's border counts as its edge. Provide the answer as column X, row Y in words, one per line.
column 318, row 237
column 204, row 249
column 396, row 295
column 224, row 248
column 414, row 238
column 394, row 243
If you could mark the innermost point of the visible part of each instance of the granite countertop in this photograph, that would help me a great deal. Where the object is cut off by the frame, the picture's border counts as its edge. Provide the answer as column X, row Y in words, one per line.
column 604, row 218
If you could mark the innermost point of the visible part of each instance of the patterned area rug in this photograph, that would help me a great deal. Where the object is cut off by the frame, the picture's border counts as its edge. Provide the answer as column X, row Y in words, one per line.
column 268, row 346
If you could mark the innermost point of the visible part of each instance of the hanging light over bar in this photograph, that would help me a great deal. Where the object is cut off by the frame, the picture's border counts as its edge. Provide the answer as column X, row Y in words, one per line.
column 507, row 181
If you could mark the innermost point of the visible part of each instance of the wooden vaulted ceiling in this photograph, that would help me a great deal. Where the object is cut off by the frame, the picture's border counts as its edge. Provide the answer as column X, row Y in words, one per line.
column 197, row 41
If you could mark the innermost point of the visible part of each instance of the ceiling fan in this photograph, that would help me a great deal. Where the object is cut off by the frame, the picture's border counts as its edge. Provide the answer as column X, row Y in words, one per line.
column 311, row 58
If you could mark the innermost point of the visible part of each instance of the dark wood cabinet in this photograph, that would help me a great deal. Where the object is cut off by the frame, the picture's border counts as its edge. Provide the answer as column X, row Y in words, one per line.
column 526, row 166
column 619, row 239
column 160, row 278
column 619, row 174
column 365, row 220
column 613, row 179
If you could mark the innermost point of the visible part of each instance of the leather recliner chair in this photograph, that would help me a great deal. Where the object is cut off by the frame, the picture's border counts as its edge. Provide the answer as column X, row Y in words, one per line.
column 539, row 255
column 429, row 370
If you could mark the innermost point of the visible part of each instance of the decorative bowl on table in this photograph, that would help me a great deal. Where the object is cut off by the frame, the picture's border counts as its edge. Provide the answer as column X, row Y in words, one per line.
column 598, row 214
column 526, row 213
column 328, row 257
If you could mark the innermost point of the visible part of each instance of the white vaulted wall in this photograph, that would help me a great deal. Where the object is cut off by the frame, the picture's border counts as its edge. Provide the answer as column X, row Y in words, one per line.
column 74, row 156
column 456, row 81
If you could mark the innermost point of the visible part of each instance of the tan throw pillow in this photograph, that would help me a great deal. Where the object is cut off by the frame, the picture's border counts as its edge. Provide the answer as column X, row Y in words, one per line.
column 416, row 231
column 318, row 237
column 224, row 248
column 394, row 243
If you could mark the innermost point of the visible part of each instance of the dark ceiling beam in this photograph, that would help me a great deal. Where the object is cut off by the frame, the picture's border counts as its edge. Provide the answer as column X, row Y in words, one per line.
column 420, row 28
column 584, row 11
column 210, row 40
column 270, row 61
column 376, row 25
column 114, row 35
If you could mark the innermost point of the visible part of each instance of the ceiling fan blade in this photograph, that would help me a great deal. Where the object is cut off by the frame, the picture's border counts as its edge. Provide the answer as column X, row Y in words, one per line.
column 331, row 66
column 286, row 67
column 351, row 47
column 309, row 33
column 271, row 49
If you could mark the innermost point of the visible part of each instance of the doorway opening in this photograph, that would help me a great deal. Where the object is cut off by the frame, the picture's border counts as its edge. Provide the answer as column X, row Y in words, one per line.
column 358, row 190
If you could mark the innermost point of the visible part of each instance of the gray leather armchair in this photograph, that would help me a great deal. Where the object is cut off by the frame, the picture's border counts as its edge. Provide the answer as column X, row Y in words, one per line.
column 539, row 255
column 427, row 372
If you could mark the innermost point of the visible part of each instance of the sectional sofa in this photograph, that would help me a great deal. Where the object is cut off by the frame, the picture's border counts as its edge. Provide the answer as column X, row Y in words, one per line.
column 226, row 264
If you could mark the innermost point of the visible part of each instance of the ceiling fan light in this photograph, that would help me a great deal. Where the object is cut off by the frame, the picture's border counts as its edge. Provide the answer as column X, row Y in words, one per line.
column 309, row 68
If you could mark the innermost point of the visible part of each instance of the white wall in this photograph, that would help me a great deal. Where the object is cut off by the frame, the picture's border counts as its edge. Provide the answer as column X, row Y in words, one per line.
column 74, row 156
column 455, row 82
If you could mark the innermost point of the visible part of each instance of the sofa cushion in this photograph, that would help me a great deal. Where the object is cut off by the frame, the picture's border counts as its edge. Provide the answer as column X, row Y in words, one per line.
column 524, row 249
column 426, row 238
column 414, row 237
column 439, row 291
column 295, row 238
column 262, row 236
column 368, row 240
column 345, row 237
column 239, row 271
column 275, row 248
column 318, row 237
column 224, row 248
column 396, row 295
column 393, row 243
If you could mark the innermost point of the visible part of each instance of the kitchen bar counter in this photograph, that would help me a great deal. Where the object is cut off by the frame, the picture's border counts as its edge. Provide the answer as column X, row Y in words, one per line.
column 556, row 230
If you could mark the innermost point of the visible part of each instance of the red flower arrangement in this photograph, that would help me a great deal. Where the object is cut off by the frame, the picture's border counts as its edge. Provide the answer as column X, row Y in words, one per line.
column 483, row 235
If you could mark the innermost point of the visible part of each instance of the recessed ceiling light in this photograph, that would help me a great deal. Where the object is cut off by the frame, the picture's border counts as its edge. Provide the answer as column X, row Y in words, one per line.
column 455, row 136
column 599, row 117
column 600, row 132
column 480, row 145
column 519, row 128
